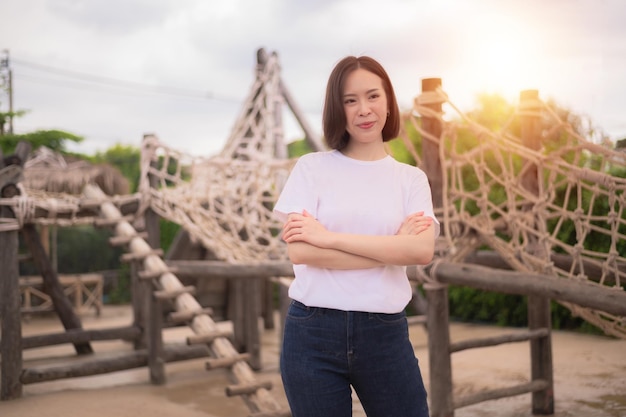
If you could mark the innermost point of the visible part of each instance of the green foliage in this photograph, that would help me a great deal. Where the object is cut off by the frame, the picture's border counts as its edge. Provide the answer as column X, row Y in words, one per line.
column 298, row 148
column 398, row 148
column 125, row 158
column 81, row 249
column 477, row 306
column 469, row 304
column 121, row 293
column 495, row 113
column 86, row 249
column 5, row 117
column 168, row 230
column 53, row 139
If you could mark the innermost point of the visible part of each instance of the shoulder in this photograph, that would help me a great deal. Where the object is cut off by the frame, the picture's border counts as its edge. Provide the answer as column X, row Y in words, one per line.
column 315, row 158
column 408, row 170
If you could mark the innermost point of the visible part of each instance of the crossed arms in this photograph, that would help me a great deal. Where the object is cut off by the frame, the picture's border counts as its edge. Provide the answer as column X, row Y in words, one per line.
column 310, row 243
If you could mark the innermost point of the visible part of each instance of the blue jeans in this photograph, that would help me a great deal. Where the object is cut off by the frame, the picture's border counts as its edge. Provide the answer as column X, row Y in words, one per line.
column 327, row 351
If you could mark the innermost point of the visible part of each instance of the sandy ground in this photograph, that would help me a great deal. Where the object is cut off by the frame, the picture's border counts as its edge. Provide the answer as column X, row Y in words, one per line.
column 589, row 373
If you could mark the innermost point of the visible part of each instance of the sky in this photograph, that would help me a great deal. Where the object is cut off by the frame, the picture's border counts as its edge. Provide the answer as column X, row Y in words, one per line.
column 114, row 70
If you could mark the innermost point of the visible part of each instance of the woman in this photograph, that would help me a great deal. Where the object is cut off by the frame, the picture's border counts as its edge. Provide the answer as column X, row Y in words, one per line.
column 353, row 219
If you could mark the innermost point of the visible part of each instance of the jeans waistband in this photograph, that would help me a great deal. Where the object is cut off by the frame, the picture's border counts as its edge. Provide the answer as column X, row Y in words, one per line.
column 334, row 310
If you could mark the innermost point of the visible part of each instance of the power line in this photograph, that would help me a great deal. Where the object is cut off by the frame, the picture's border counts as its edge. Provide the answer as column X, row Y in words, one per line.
column 78, row 85
column 75, row 76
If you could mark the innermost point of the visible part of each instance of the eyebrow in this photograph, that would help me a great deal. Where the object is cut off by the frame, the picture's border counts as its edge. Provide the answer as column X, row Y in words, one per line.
column 371, row 90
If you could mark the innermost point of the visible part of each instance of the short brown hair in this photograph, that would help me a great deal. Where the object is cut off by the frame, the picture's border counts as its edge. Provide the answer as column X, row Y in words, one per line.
column 334, row 115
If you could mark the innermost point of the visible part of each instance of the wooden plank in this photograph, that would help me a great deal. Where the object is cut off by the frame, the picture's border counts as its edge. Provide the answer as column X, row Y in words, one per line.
column 226, row 362
column 249, row 388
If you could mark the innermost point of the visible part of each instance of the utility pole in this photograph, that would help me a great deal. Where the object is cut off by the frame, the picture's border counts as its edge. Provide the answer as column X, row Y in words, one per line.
column 8, row 79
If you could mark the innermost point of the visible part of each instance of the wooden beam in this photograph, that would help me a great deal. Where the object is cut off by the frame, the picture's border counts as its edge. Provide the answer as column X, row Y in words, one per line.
column 266, row 269
column 498, row 340
column 585, row 294
column 592, row 269
column 81, row 336
column 533, row 386
column 120, row 362
column 52, row 286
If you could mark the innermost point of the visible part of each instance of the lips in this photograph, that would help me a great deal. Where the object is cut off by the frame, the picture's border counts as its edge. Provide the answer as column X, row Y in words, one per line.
column 366, row 125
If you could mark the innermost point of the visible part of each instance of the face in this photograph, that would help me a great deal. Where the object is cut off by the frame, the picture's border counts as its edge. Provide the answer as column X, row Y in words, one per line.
column 365, row 105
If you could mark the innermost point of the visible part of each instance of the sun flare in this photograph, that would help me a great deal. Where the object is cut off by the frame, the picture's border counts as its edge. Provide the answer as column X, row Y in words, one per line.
column 500, row 58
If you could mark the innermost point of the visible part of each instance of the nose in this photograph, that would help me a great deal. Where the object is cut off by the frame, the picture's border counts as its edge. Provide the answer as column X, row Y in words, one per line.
column 364, row 108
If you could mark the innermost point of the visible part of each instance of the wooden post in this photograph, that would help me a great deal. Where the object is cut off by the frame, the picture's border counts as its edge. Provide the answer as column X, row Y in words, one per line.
column 151, row 218
column 141, row 298
column 267, row 306
column 437, row 316
column 10, row 316
column 538, row 306
column 156, row 361
column 440, row 363
column 285, row 302
column 236, row 311
column 141, row 290
column 252, row 298
column 244, row 310
column 52, row 286
column 431, row 163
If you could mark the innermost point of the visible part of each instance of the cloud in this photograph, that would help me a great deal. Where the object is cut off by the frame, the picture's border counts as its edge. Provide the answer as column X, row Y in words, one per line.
column 571, row 51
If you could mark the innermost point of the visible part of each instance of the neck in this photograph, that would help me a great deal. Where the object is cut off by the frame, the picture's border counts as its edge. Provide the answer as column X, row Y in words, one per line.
column 365, row 152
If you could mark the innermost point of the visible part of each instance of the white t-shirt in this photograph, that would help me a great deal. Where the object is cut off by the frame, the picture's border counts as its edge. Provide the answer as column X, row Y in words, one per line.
column 361, row 197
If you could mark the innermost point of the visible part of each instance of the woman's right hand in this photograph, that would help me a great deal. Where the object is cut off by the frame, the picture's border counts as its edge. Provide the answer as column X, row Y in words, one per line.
column 305, row 228
column 414, row 224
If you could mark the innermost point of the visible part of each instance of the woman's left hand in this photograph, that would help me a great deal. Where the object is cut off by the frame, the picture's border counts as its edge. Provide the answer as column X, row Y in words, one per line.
column 414, row 224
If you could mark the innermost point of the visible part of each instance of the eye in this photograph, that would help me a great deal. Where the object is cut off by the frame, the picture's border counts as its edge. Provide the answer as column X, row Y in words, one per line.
column 374, row 96
column 349, row 101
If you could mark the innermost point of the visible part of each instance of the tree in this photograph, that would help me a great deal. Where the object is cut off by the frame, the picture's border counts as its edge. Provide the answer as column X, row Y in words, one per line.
column 126, row 158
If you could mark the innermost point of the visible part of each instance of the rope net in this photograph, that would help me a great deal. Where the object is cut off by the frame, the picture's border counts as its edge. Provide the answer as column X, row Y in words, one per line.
column 49, row 191
column 225, row 205
column 556, row 210
column 225, row 202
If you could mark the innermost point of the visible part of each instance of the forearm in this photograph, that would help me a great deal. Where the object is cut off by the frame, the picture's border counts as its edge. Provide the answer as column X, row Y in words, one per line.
column 304, row 253
column 412, row 244
column 390, row 250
